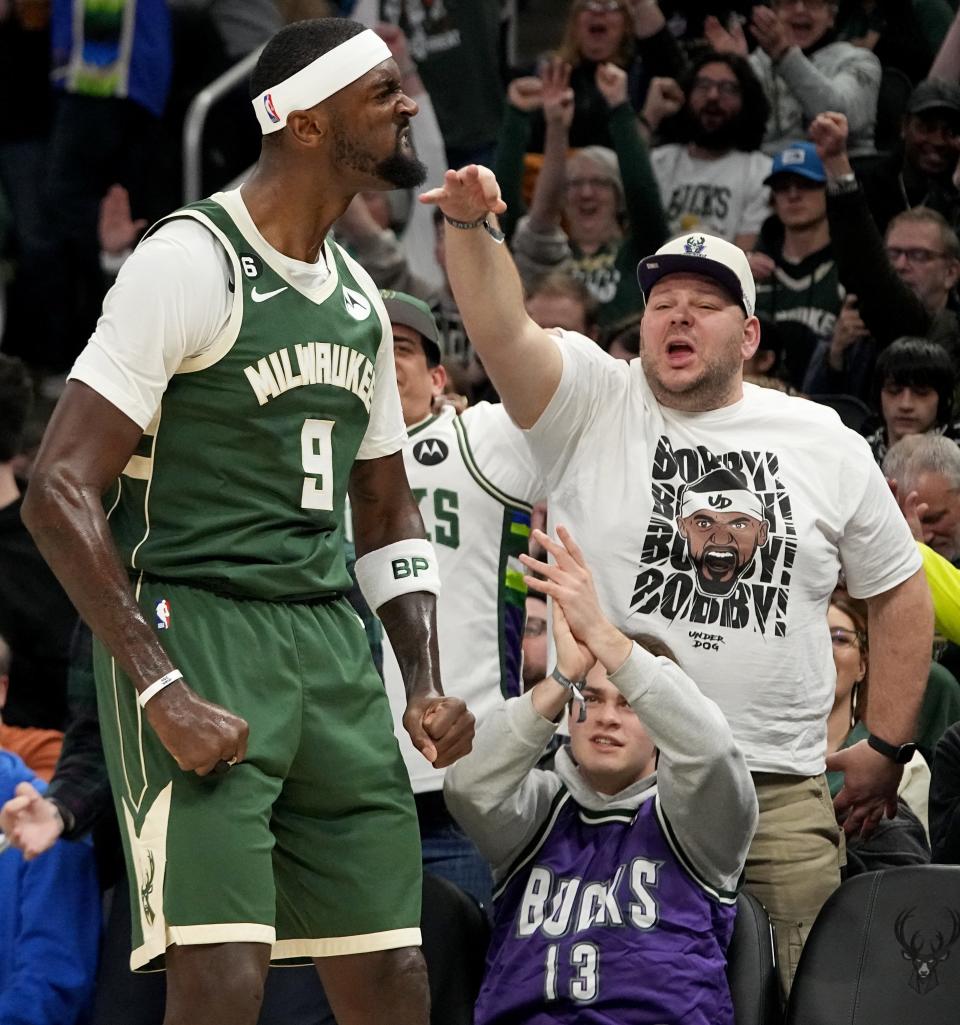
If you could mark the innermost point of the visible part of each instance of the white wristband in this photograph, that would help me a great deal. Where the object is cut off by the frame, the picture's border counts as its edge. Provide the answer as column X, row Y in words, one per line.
column 398, row 568
column 154, row 689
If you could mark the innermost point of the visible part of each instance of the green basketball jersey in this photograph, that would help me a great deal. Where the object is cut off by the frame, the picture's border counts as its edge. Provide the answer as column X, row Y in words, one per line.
column 239, row 482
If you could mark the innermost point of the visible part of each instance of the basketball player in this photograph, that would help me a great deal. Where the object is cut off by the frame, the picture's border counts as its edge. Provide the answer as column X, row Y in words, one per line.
column 617, row 443
column 240, row 380
column 616, row 872
column 476, row 483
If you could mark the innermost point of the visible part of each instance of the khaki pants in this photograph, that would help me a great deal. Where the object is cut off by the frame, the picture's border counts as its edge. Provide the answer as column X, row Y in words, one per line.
column 795, row 859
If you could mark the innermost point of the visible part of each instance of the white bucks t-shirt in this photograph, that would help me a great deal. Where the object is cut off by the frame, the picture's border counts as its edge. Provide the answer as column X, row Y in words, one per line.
column 723, row 533
column 725, row 196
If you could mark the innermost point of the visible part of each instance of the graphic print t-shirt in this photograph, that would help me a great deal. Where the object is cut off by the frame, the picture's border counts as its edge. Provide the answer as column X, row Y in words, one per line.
column 723, row 533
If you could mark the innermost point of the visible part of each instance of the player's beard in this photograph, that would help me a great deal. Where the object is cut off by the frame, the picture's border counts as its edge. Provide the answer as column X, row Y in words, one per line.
column 714, row 140
column 401, row 170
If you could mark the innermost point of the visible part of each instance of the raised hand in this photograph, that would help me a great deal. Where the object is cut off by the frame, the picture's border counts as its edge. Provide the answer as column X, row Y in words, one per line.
column 117, row 230
column 828, row 132
column 467, row 194
column 847, row 331
column 723, row 40
column 441, row 728
column 664, row 99
column 525, row 93
column 30, row 822
column 557, row 94
column 612, row 83
column 771, row 32
column 761, row 265
column 198, row 734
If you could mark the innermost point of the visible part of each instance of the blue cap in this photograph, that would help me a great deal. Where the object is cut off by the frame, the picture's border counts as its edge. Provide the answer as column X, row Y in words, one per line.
column 798, row 158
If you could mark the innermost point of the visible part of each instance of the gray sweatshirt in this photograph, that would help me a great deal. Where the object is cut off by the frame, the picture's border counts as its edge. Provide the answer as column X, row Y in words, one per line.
column 838, row 76
column 501, row 800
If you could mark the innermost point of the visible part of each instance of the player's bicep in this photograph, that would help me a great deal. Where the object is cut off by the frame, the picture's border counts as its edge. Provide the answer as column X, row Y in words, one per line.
column 384, row 509
column 88, row 441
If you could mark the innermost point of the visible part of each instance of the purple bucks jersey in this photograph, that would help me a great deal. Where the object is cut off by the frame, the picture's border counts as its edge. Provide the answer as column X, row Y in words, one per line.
column 600, row 921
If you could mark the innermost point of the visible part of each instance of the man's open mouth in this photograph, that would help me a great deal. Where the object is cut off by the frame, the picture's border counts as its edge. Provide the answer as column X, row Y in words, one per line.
column 719, row 563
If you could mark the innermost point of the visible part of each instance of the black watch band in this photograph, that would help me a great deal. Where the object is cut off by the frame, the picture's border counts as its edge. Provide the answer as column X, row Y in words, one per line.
column 481, row 222
column 899, row 753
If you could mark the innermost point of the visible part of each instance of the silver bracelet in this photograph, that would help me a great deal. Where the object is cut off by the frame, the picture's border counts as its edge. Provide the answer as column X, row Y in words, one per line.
column 576, row 692
column 154, row 689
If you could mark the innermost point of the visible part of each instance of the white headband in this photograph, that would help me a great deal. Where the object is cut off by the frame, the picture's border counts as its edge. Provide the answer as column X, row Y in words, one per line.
column 740, row 501
column 323, row 77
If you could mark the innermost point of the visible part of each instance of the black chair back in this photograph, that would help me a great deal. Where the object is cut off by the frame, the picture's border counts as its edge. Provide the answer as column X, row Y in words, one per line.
column 752, row 966
column 884, row 950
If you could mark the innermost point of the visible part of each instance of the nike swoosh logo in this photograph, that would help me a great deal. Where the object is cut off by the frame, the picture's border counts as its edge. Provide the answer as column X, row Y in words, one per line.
column 262, row 297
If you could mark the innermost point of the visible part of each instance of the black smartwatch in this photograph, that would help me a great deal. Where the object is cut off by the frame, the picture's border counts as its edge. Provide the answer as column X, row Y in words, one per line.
column 899, row 753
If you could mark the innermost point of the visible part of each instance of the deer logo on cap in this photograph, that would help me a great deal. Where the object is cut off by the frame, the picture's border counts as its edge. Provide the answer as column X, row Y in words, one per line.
column 695, row 245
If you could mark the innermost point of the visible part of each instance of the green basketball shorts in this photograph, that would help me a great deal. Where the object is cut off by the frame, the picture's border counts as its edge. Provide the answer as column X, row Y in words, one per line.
column 311, row 843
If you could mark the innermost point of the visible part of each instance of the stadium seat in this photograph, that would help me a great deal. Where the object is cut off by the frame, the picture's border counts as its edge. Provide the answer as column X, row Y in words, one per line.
column 455, row 937
column 884, row 951
column 852, row 411
column 752, row 967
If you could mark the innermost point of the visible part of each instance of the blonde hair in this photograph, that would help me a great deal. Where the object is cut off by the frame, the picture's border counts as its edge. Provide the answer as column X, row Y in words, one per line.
column 569, row 51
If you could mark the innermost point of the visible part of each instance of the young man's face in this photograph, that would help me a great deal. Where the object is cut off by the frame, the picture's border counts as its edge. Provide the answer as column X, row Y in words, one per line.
column 721, row 546
column 370, row 132
column 715, row 99
column 417, row 382
column 915, row 249
column 535, row 642
column 907, row 409
column 600, row 28
column 799, row 202
column 693, row 341
column 612, row 748
column 931, row 141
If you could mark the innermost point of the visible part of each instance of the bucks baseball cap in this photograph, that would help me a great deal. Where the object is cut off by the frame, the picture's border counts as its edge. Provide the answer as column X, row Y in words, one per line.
column 935, row 94
column 798, row 158
column 706, row 255
column 414, row 313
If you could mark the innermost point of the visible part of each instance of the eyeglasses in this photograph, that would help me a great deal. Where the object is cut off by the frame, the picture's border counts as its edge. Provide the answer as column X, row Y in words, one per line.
column 702, row 84
column 811, row 5
column 600, row 6
column 846, row 638
column 919, row 256
column 534, row 627
column 575, row 184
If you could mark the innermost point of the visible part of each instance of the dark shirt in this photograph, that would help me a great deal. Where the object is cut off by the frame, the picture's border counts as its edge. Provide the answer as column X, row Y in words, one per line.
column 945, row 799
column 890, row 189
column 37, row 620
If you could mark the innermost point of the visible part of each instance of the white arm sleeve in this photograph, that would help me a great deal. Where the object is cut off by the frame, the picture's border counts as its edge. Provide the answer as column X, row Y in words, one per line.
column 170, row 301
column 386, row 432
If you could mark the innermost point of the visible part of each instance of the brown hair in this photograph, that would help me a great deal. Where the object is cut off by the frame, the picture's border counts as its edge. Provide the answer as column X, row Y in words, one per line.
column 653, row 644
column 856, row 609
column 569, row 51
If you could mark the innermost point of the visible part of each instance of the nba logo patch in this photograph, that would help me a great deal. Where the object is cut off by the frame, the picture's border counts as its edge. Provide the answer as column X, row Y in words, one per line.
column 163, row 614
column 271, row 109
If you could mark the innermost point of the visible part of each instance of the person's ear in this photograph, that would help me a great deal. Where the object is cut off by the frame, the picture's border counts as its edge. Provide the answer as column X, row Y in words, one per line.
column 438, row 375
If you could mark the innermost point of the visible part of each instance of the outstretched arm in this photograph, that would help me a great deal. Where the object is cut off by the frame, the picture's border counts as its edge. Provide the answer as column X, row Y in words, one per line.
column 522, row 360
column 86, row 446
column 547, row 204
column 384, row 512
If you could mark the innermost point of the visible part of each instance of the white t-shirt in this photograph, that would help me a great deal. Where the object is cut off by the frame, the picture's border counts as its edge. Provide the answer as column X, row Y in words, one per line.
column 725, row 197
column 173, row 301
column 735, row 573
column 475, row 480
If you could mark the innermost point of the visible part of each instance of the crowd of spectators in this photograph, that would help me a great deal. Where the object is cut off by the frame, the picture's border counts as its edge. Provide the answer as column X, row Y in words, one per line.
column 821, row 138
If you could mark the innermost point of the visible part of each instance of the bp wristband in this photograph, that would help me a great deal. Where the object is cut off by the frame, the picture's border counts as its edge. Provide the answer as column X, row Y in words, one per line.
column 396, row 569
